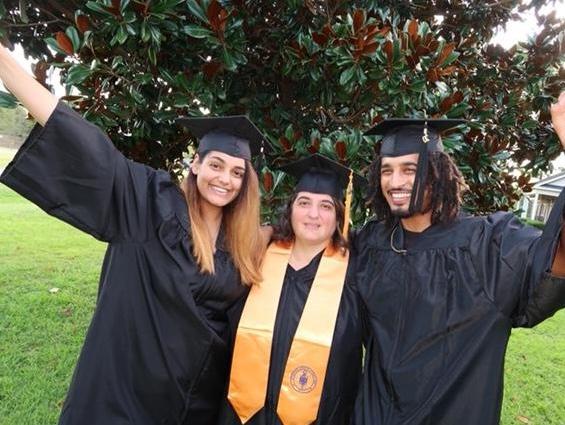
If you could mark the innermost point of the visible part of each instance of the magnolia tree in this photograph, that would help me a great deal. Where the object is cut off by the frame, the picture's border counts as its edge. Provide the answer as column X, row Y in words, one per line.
column 313, row 75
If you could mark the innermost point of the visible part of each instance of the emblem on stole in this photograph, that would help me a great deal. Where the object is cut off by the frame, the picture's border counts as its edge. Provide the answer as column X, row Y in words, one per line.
column 303, row 379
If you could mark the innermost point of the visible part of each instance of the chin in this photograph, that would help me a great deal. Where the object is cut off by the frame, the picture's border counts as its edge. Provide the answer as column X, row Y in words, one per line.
column 308, row 238
column 400, row 213
column 219, row 202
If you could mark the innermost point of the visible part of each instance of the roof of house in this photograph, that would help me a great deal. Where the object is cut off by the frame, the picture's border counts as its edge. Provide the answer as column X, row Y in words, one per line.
column 553, row 183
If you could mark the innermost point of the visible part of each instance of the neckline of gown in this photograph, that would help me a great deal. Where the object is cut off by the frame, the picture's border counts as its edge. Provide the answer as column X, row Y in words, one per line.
column 309, row 269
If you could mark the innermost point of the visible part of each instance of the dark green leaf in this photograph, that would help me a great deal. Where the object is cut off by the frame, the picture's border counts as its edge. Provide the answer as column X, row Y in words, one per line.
column 52, row 43
column 96, row 7
column 229, row 62
column 7, row 100
column 196, row 10
column 77, row 74
column 152, row 55
column 347, row 75
column 72, row 33
column 197, row 31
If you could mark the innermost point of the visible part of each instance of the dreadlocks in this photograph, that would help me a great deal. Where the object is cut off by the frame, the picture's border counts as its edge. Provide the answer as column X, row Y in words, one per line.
column 444, row 182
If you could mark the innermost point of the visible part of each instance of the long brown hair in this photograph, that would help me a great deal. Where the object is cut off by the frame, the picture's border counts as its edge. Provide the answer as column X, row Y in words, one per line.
column 241, row 221
column 284, row 233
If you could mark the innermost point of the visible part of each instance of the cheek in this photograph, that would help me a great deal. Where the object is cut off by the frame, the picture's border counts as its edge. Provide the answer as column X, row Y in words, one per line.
column 330, row 220
column 199, row 179
column 237, row 184
column 294, row 216
column 410, row 178
column 383, row 181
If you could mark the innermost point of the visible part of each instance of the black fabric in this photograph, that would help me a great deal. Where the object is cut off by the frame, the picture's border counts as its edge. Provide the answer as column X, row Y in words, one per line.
column 441, row 314
column 403, row 136
column 157, row 349
column 344, row 367
column 319, row 174
column 234, row 135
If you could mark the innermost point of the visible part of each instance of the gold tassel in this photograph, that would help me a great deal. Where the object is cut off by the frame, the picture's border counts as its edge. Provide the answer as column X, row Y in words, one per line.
column 348, row 197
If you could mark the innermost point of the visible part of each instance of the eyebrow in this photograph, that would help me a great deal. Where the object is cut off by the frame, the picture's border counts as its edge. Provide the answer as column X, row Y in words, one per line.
column 404, row 164
column 217, row 158
column 323, row 201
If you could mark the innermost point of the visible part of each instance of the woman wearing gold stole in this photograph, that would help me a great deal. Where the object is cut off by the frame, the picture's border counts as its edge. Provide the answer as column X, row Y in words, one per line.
column 297, row 353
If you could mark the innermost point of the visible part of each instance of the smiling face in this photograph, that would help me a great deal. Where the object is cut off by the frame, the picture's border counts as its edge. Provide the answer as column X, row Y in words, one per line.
column 313, row 218
column 219, row 177
column 397, row 181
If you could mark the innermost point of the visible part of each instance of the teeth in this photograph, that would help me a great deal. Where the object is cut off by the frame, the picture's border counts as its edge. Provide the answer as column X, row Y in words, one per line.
column 220, row 190
column 400, row 195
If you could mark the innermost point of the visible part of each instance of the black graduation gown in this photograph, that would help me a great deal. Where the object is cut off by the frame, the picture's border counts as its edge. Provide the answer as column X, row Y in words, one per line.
column 345, row 362
column 441, row 315
column 157, row 350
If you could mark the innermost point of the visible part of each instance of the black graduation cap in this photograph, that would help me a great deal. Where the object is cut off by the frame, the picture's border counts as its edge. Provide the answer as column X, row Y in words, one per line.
column 234, row 135
column 319, row 174
column 404, row 136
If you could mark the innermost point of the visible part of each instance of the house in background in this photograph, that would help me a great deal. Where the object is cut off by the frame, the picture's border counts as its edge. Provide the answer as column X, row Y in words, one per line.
column 537, row 204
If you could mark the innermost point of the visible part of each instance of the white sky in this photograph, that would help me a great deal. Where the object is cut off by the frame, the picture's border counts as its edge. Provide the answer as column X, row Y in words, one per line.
column 517, row 31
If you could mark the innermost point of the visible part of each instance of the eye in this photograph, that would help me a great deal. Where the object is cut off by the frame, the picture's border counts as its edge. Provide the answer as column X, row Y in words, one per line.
column 410, row 171
column 214, row 165
column 238, row 173
column 327, row 207
column 386, row 172
column 303, row 203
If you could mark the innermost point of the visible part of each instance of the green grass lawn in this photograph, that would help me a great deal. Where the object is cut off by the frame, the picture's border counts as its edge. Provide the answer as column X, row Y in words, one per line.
column 41, row 330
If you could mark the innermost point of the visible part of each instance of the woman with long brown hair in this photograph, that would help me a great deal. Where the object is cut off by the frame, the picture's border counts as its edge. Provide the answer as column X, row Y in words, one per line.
column 297, row 353
column 157, row 350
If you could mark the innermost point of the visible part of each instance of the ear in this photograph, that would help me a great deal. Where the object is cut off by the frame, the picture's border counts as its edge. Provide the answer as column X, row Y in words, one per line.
column 195, row 165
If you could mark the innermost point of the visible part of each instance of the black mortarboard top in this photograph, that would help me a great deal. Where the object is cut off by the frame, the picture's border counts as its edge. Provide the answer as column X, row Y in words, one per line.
column 234, row 135
column 404, row 136
column 319, row 174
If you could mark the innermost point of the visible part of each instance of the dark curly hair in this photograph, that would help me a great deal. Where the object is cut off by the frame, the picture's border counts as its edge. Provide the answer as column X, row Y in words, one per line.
column 445, row 183
column 283, row 232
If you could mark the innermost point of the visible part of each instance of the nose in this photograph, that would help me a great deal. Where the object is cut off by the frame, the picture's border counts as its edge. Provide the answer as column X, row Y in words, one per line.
column 396, row 179
column 224, row 177
column 313, row 211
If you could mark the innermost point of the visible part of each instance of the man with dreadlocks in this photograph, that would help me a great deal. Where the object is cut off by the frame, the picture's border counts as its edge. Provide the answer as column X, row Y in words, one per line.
column 442, row 289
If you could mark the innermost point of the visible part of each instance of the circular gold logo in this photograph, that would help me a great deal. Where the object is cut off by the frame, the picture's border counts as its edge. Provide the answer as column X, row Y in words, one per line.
column 303, row 379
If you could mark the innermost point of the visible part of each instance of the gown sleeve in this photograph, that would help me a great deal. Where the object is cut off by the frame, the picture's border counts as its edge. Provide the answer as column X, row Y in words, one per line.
column 548, row 295
column 516, row 261
column 355, row 250
column 71, row 170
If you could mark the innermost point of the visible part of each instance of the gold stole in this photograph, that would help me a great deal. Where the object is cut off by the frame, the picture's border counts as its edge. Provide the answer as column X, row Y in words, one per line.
column 305, row 370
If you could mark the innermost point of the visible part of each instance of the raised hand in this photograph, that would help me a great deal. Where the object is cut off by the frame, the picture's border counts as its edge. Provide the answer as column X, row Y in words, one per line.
column 558, row 118
column 36, row 99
